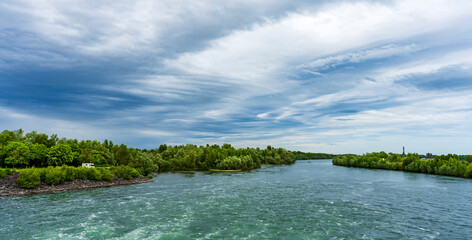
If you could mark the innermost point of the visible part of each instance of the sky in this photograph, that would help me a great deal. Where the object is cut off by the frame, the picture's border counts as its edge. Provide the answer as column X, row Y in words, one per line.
column 318, row 76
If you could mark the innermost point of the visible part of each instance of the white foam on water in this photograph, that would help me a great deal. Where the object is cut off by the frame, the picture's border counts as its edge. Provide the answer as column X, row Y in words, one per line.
column 135, row 234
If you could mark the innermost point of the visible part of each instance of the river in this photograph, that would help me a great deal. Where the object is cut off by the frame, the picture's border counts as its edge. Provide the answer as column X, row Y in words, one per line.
column 308, row 200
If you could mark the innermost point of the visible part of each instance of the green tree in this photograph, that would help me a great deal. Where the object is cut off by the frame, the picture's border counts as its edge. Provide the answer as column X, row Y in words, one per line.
column 468, row 158
column 44, row 139
column 29, row 137
column 146, row 162
column 38, row 155
column 97, row 158
column 60, row 154
column 17, row 154
column 162, row 148
column 410, row 158
column 19, row 135
column 122, row 155
column 468, row 171
column 6, row 136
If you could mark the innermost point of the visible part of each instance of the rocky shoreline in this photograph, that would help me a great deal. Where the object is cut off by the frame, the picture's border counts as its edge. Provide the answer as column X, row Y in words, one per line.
column 9, row 187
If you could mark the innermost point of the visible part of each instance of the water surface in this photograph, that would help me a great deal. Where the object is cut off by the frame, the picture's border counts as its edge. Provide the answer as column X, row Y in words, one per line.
column 308, row 200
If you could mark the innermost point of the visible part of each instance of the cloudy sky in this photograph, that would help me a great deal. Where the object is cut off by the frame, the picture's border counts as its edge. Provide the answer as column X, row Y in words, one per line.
column 320, row 76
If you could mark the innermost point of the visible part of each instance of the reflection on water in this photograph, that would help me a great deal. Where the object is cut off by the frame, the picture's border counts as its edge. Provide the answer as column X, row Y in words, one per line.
column 307, row 200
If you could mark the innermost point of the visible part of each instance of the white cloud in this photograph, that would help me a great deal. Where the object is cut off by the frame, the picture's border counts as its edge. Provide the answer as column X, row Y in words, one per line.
column 360, row 56
column 12, row 119
column 250, row 68
column 156, row 133
column 92, row 28
column 406, row 112
column 380, row 86
column 262, row 52
column 461, row 58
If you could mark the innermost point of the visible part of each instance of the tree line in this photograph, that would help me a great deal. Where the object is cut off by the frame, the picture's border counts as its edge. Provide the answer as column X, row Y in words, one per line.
column 33, row 149
column 449, row 165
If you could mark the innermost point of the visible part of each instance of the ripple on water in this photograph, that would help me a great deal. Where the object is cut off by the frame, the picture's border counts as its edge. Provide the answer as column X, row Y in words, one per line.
column 307, row 200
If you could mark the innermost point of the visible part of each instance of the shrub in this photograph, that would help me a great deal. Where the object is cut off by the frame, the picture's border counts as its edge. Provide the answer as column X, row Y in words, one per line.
column 118, row 171
column 54, row 176
column 93, row 174
column 107, row 175
column 468, row 172
column 150, row 176
column 3, row 173
column 240, row 163
column 42, row 173
column 81, row 173
column 163, row 165
column 134, row 173
column 29, row 178
column 248, row 163
column 124, row 172
column 69, row 173
column 127, row 174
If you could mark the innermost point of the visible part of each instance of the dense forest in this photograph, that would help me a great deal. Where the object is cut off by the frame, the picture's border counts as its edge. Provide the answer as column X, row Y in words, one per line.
column 20, row 150
column 449, row 165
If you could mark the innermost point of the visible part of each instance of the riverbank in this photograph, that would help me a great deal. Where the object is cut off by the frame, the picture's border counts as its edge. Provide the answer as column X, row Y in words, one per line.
column 219, row 170
column 9, row 187
column 446, row 165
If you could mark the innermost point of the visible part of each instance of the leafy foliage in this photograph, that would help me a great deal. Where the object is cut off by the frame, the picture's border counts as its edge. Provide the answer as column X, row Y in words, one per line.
column 40, row 150
column 93, row 174
column 29, row 178
column 107, row 175
column 32, row 177
column 63, row 157
column 60, row 154
column 233, row 162
column 4, row 172
column 125, row 172
column 449, row 165
column 69, row 172
column 54, row 175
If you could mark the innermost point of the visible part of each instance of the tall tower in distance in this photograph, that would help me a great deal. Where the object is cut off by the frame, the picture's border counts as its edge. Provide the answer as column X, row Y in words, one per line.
column 403, row 152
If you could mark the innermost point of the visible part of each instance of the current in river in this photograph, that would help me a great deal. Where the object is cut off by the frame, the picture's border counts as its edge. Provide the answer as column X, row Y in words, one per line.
column 310, row 199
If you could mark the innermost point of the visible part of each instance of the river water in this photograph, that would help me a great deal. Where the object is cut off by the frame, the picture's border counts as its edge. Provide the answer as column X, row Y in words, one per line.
column 308, row 200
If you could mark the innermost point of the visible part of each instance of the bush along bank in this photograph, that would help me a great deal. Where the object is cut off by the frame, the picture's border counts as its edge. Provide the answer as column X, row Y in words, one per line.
column 448, row 165
column 53, row 179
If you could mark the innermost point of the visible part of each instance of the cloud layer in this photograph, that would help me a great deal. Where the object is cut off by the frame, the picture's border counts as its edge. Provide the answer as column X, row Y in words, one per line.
column 322, row 76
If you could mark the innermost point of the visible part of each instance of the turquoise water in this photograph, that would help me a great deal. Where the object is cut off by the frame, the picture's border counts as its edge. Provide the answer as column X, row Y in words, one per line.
column 307, row 200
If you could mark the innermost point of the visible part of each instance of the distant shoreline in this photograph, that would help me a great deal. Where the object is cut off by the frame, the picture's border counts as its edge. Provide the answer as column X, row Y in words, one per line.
column 9, row 187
